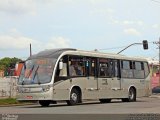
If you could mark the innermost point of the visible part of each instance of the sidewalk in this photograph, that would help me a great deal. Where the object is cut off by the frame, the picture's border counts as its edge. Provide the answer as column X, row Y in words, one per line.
column 155, row 95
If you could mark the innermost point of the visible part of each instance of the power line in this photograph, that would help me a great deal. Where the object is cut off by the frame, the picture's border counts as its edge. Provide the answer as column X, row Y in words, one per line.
column 112, row 48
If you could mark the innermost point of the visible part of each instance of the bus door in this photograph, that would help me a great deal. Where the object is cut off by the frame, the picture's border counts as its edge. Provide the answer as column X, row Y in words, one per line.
column 92, row 91
column 115, row 75
column 91, row 73
column 104, row 79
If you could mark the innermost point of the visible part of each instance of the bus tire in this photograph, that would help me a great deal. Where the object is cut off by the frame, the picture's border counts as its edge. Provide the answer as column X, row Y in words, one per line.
column 74, row 97
column 125, row 100
column 44, row 103
column 131, row 96
column 105, row 100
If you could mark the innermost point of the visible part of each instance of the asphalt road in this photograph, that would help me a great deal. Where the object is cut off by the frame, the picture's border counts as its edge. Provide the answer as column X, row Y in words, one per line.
column 145, row 105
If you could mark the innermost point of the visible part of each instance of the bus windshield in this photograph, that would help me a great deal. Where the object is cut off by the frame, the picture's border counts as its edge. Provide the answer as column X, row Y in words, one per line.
column 37, row 71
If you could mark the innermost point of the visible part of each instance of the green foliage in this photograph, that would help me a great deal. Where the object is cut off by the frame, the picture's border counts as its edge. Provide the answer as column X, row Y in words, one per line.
column 13, row 101
column 7, row 62
column 8, row 101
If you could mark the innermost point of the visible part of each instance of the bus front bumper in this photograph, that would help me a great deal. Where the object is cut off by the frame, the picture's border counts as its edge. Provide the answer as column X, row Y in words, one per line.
column 35, row 96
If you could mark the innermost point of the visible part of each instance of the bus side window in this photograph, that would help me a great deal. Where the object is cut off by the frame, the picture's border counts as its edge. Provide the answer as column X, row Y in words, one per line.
column 116, row 69
column 111, row 69
column 93, row 67
column 63, row 72
column 126, row 69
column 102, row 69
column 105, row 67
column 72, row 70
column 76, row 66
column 139, row 70
column 146, row 69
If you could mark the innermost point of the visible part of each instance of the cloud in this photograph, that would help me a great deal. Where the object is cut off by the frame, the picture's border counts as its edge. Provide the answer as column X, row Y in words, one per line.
column 101, row 11
column 57, row 42
column 129, row 22
column 10, row 42
column 156, row 26
column 126, row 22
column 94, row 2
column 132, row 31
column 31, row 7
column 15, row 41
column 18, row 6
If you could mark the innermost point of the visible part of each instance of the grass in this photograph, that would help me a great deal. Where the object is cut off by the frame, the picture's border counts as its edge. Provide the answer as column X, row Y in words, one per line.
column 8, row 101
column 13, row 101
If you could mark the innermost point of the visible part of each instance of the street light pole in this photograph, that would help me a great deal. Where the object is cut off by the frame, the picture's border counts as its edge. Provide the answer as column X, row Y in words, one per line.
column 129, row 46
column 144, row 43
column 30, row 48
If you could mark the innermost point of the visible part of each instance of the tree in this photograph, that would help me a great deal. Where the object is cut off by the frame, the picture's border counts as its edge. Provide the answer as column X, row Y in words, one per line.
column 5, row 62
column 8, row 63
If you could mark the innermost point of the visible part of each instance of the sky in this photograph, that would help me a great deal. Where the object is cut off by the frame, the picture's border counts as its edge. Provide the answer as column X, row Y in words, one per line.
column 105, row 25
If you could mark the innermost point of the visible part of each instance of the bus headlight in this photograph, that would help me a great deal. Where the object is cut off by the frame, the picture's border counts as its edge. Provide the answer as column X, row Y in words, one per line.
column 45, row 88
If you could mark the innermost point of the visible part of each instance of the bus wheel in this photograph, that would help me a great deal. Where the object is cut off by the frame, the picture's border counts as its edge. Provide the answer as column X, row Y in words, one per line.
column 74, row 97
column 44, row 103
column 125, row 100
column 131, row 96
column 105, row 100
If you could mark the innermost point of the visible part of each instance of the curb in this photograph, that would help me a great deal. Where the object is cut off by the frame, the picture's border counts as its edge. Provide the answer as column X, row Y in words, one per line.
column 10, row 105
column 156, row 95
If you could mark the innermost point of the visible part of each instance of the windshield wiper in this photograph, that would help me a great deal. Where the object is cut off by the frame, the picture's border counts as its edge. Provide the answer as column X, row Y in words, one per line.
column 36, row 73
column 30, row 72
column 23, row 82
column 21, row 77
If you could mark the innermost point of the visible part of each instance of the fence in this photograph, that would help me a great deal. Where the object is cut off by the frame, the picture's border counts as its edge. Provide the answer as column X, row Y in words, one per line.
column 8, row 87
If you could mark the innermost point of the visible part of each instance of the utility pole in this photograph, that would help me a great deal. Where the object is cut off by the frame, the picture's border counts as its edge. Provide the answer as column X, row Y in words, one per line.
column 30, row 47
column 158, row 44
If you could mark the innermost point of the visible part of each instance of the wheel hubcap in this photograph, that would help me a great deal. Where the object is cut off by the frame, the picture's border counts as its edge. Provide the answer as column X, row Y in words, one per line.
column 131, row 95
column 74, row 96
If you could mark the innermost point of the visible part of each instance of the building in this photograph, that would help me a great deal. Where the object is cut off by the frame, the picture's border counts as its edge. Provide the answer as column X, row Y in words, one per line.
column 1, row 73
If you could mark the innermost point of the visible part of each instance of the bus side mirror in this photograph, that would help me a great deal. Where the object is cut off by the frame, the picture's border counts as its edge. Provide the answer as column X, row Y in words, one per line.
column 60, row 65
column 145, row 44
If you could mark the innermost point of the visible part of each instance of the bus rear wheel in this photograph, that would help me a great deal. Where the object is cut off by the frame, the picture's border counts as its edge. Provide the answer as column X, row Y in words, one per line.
column 74, row 97
column 131, row 96
column 105, row 100
column 44, row 103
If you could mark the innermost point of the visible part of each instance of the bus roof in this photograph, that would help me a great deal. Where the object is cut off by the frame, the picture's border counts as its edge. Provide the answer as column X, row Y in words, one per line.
column 50, row 53
column 55, row 53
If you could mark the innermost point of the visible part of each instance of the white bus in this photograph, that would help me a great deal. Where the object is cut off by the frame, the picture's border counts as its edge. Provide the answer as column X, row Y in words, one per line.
column 75, row 75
